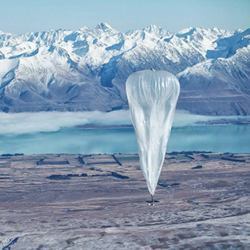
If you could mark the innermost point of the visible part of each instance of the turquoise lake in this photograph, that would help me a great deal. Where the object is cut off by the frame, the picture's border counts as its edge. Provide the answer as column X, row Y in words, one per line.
column 74, row 140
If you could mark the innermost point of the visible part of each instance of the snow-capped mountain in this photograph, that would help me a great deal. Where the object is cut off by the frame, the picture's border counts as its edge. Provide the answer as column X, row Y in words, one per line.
column 86, row 69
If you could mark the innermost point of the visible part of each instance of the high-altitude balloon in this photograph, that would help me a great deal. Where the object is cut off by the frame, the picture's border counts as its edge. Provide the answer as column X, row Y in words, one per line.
column 152, row 97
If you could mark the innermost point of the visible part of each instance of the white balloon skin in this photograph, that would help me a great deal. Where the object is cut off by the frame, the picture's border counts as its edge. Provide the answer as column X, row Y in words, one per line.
column 152, row 98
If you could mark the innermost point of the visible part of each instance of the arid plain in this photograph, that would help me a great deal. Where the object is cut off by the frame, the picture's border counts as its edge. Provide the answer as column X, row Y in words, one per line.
column 100, row 202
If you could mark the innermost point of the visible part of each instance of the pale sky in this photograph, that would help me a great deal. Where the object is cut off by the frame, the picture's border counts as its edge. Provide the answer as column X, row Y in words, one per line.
column 18, row 16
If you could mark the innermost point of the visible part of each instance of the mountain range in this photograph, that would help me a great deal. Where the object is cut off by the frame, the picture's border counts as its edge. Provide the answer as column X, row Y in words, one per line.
column 86, row 69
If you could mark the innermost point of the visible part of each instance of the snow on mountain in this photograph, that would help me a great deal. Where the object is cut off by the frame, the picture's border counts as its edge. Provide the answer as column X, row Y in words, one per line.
column 86, row 69
column 202, row 39
column 222, row 85
column 7, row 73
column 228, row 46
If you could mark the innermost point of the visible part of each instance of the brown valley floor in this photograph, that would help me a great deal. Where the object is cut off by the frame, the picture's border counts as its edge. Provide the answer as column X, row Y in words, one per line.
column 99, row 202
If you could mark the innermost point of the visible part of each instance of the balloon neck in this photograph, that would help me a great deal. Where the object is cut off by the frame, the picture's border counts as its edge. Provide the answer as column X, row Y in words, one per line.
column 152, row 202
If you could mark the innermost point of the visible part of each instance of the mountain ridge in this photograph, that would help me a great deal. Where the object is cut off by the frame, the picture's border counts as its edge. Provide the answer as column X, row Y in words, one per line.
column 86, row 69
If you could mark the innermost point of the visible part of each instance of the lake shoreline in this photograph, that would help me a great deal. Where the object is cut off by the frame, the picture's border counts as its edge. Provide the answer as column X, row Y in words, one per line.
column 168, row 154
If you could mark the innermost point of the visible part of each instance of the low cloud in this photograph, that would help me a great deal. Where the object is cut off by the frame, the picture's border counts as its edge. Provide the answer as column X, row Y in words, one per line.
column 26, row 123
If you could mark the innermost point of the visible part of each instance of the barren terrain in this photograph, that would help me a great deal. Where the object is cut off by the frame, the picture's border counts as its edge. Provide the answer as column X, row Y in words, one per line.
column 99, row 202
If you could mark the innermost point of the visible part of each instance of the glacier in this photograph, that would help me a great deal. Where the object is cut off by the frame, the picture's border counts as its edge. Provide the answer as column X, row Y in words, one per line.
column 86, row 69
column 152, row 98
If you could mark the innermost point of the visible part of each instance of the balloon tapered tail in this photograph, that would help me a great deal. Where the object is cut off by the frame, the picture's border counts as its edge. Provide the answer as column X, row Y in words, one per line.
column 152, row 199
column 151, row 203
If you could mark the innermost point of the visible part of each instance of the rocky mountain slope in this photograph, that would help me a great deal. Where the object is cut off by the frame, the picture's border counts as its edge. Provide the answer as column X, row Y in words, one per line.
column 86, row 69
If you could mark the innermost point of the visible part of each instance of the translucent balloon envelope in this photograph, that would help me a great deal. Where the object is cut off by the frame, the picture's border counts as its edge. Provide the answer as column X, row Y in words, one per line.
column 152, row 98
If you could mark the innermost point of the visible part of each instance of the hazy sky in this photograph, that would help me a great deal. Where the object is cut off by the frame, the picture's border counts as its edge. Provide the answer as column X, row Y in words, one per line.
column 20, row 16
